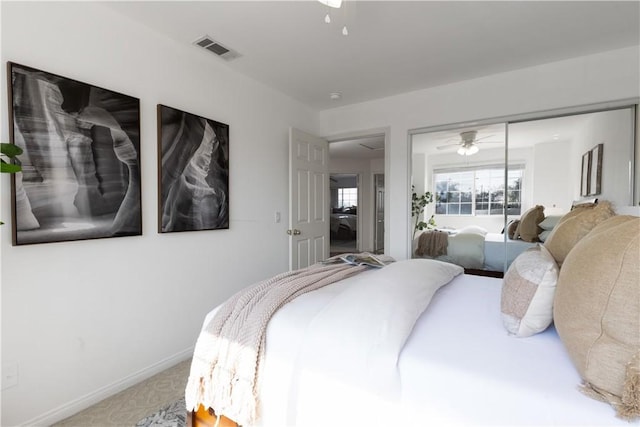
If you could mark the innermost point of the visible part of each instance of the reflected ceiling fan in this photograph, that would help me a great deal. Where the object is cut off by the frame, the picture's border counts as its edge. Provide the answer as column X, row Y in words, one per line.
column 468, row 143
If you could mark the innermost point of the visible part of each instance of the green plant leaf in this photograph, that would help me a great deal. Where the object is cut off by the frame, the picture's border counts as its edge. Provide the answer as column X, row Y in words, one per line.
column 9, row 168
column 10, row 150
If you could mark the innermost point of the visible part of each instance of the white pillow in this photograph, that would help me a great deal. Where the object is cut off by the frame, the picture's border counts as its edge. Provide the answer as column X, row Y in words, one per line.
column 528, row 290
column 549, row 222
column 543, row 236
column 474, row 229
column 415, row 271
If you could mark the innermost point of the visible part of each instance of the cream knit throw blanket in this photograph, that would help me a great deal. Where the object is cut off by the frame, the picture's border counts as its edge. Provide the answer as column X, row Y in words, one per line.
column 229, row 350
column 432, row 243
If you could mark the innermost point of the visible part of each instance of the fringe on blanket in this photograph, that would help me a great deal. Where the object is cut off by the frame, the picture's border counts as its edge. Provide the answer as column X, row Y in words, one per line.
column 228, row 354
column 627, row 406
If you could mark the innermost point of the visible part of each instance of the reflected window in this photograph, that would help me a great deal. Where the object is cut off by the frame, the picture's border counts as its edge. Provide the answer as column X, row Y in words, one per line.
column 347, row 197
column 478, row 191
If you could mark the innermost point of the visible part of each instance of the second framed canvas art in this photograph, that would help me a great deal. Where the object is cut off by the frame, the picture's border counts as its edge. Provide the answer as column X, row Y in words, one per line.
column 193, row 172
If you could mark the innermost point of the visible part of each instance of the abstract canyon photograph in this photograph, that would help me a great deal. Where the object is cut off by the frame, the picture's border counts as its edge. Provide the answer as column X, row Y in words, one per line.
column 193, row 169
column 80, row 174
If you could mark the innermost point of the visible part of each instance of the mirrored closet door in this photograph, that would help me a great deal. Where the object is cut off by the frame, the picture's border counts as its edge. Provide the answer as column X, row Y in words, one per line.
column 472, row 184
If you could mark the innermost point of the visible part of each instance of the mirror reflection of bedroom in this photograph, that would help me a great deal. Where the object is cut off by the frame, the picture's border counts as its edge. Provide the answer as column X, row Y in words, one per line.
column 343, row 222
column 356, row 184
column 474, row 210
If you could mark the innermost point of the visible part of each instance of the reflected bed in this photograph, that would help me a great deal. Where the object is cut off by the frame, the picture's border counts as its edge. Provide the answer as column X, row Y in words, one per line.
column 473, row 248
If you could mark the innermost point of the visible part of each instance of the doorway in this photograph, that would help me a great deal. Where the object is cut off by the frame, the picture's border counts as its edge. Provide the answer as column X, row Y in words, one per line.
column 362, row 157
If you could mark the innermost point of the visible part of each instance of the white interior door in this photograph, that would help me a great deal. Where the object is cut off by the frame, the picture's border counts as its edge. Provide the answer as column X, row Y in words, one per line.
column 308, row 199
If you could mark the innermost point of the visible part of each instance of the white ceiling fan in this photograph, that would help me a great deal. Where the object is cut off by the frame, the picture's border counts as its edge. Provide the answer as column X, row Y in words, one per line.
column 468, row 143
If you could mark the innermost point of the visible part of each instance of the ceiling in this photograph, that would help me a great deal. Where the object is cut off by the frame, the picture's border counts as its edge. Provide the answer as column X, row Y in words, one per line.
column 368, row 147
column 492, row 136
column 521, row 135
column 393, row 46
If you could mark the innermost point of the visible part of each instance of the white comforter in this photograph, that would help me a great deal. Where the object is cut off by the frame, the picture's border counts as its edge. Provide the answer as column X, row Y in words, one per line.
column 465, row 248
column 339, row 346
column 458, row 367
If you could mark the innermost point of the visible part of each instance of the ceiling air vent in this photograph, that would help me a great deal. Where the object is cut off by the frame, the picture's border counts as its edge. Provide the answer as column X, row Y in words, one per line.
column 211, row 45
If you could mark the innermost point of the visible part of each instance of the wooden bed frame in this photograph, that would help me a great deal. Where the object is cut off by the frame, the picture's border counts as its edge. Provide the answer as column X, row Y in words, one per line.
column 207, row 418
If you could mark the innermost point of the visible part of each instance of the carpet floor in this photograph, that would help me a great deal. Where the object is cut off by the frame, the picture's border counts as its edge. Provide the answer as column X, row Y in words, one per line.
column 139, row 403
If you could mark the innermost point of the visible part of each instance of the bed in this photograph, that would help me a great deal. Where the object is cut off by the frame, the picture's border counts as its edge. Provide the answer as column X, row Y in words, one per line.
column 343, row 222
column 455, row 366
column 494, row 250
column 474, row 248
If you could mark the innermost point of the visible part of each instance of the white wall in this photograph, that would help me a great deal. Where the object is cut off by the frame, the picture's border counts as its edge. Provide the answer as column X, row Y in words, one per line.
column 608, row 128
column 553, row 176
column 85, row 319
column 603, row 77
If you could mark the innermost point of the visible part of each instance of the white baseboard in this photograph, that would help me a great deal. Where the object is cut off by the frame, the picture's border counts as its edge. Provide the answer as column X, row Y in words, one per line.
column 77, row 405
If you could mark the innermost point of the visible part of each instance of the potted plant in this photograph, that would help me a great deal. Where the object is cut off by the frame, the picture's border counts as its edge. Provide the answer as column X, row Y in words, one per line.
column 418, row 203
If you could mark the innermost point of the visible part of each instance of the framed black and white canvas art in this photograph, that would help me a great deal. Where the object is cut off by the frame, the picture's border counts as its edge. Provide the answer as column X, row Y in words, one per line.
column 586, row 174
column 80, row 174
column 595, row 172
column 193, row 169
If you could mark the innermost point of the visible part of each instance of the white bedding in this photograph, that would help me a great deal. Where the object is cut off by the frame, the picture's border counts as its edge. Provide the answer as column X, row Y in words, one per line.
column 481, row 251
column 494, row 252
column 458, row 366
column 465, row 248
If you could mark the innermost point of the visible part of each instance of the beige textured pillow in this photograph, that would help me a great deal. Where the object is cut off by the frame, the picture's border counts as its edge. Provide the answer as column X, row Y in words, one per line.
column 528, row 229
column 573, row 227
column 597, row 312
column 528, row 289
